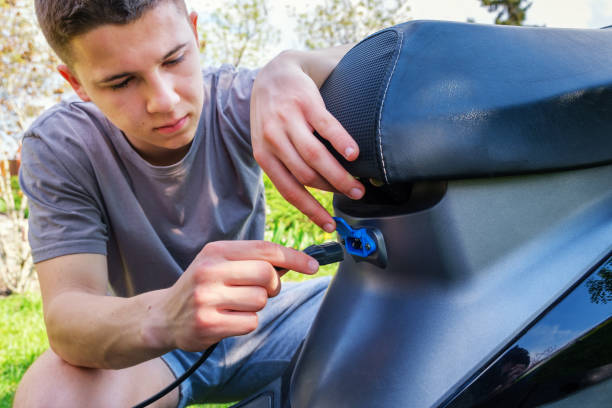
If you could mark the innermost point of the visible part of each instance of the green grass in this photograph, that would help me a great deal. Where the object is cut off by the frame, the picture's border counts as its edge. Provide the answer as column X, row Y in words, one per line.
column 287, row 226
column 17, row 196
column 22, row 333
column 22, row 339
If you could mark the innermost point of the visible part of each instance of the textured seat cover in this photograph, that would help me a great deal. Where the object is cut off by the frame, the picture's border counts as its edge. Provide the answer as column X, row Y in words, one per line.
column 445, row 100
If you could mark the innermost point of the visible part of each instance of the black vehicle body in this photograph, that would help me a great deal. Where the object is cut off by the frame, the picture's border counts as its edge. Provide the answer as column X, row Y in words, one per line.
column 487, row 155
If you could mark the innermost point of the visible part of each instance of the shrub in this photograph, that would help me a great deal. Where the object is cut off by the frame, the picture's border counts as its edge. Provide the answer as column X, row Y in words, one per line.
column 16, row 267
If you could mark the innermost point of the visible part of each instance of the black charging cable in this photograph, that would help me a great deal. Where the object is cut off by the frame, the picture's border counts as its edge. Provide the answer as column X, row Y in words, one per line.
column 326, row 253
column 179, row 380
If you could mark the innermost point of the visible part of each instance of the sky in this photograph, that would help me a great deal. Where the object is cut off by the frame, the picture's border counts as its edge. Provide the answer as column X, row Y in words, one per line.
column 551, row 13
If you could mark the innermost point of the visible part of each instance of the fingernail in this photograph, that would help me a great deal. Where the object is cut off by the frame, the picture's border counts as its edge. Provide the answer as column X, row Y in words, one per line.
column 313, row 265
column 349, row 152
column 329, row 227
column 356, row 193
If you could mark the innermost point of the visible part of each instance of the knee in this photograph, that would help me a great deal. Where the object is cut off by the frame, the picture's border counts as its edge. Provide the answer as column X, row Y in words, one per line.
column 50, row 382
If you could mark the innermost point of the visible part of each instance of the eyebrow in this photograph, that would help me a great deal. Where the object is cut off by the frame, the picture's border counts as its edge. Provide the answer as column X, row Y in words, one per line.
column 124, row 74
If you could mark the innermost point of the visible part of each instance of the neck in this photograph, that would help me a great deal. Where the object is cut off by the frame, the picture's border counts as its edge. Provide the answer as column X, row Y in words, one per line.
column 159, row 156
column 167, row 157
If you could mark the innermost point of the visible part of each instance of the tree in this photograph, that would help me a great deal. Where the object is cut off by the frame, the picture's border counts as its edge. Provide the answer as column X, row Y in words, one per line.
column 338, row 22
column 28, row 83
column 600, row 288
column 16, row 266
column 511, row 12
column 236, row 33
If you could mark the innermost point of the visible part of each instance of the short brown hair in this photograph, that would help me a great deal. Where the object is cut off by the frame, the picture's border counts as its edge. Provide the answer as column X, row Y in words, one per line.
column 61, row 21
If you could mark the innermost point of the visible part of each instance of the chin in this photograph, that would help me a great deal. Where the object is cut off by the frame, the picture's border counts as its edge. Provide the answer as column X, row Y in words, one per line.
column 179, row 144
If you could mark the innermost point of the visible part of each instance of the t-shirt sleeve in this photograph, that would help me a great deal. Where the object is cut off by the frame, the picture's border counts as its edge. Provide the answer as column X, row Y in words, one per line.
column 231, row 89
column 64, row 218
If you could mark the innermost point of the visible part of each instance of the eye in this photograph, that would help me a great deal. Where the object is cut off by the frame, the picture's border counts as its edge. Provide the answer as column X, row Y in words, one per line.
column 174, row 61
column 121, row 84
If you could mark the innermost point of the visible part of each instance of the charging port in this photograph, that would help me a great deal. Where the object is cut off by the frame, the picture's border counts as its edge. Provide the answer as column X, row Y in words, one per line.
column 364, row 244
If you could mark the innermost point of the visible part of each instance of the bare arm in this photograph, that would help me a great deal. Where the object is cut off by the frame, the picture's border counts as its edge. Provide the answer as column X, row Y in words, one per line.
column 88, row 328
column 318, row 64
column 286, row 107
column 216, row 297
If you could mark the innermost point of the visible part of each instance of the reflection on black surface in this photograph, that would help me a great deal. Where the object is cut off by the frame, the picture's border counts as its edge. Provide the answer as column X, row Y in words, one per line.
column 507, row 369
column 600, row 286
column 567, row 350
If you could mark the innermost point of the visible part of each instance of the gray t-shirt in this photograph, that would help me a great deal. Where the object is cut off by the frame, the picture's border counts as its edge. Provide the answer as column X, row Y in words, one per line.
column 90, row 192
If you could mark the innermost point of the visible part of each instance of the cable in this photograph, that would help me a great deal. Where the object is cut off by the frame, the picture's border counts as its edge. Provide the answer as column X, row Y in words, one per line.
column 326, row 253
column 205, row 354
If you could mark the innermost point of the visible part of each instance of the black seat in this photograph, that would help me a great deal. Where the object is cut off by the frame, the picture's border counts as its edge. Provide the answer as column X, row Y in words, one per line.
column 431, row 100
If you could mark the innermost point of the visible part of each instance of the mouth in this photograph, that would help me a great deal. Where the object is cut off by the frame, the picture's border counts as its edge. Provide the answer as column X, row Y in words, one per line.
column 172, row 126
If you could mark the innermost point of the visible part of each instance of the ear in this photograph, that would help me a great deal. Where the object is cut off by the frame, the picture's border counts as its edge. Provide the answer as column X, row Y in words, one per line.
column 193, row 18
column 71, row 78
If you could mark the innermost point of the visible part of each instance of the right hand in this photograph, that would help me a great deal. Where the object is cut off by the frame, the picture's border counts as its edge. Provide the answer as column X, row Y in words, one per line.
column 223, row 288
column 286, row 107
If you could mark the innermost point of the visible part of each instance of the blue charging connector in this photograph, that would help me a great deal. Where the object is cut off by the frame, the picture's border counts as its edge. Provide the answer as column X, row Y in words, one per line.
column 357, row 241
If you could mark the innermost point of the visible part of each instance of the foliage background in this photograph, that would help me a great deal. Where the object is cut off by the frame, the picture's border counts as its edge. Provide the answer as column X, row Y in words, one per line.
column 28, row 83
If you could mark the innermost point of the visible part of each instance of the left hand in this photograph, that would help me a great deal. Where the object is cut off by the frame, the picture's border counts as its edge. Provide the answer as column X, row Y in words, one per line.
column 286, row 107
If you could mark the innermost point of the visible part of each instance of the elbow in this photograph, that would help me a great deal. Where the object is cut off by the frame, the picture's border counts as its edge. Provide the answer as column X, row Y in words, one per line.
column 68, row 343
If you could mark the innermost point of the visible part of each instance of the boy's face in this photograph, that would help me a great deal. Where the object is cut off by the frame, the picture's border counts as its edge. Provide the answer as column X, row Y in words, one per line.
column 145, row 77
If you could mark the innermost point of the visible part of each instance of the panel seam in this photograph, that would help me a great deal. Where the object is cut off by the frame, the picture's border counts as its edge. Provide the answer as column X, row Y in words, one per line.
column 380, row 148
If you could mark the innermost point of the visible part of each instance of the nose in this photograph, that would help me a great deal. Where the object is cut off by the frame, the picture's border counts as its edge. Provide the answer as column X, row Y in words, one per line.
column 162, row 97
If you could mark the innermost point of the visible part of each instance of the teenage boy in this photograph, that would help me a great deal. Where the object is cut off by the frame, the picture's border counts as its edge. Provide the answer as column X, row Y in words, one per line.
column 147, row 212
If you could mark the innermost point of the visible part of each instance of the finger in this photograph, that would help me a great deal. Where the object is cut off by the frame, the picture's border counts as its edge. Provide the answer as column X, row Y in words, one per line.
column 238, row 323
column 298, row 196
column 278, row 287
column 214, row 325
column 317, row 157
column 297, row 167
column 253, row 273
column 270, row 252
column 329, row 128
column 244, row 299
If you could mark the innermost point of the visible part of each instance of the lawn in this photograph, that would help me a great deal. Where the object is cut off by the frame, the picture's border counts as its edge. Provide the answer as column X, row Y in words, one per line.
column 22, row 339
column 22, row 334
